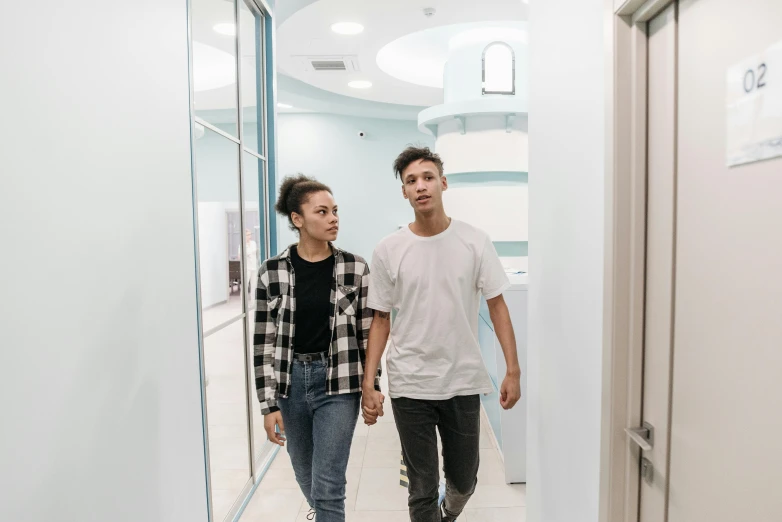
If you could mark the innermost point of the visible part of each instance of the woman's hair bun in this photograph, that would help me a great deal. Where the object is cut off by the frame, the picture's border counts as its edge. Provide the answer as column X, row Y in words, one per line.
column 294, row 192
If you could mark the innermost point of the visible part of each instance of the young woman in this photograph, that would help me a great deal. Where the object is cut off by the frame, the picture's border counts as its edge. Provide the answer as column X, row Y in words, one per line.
column 311, row 329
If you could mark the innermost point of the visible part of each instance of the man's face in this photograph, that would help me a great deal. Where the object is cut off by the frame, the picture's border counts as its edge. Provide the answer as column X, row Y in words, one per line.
column 423, row 186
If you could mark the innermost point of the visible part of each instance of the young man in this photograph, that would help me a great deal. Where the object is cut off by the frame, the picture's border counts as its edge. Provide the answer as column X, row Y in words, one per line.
column 433, row 273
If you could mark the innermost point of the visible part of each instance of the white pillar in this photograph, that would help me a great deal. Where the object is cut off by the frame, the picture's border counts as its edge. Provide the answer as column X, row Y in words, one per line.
column 482, row 136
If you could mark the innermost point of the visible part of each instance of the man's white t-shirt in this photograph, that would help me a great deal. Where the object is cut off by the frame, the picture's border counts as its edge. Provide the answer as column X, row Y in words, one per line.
column 434, row 284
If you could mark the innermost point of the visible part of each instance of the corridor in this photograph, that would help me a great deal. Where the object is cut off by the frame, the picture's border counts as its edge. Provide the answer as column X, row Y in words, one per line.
column 373, row 490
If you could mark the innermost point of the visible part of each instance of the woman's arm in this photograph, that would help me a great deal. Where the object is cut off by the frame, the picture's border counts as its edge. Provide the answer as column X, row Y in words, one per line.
column 263, row 341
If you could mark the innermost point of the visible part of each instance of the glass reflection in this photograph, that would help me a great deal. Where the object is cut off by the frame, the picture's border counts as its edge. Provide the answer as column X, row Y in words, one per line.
column 251, row 45
column 220, row 262
column 226, row 406
column 252, row 170
column 219, row 229
column 214, row 62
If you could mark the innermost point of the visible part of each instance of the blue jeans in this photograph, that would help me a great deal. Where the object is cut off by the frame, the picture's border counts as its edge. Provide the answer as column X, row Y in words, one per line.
column 319, row 431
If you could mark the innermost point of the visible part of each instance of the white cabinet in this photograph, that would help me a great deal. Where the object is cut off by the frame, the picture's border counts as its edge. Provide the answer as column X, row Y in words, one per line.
column 508, row 426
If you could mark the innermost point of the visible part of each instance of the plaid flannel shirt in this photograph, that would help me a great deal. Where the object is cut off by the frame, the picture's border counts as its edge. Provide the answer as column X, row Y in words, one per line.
column 275, row 327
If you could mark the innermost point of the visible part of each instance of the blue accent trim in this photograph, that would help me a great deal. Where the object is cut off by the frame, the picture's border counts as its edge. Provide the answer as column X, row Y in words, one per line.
column 512, row 248
column 488, row 178
column 247, row 500
column 271, row 131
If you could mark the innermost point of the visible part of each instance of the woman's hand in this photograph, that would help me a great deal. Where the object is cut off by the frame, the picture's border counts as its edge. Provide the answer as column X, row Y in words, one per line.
column 371, row 405
column 270, row 421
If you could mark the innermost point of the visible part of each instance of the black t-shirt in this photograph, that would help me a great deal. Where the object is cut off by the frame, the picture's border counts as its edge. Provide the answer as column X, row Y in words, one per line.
column 313, row 303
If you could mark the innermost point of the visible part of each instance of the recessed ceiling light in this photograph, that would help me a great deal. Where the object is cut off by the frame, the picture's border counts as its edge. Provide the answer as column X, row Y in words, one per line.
column 284, row 106
column 360, row 84
column 226, row 29
column 347, row 28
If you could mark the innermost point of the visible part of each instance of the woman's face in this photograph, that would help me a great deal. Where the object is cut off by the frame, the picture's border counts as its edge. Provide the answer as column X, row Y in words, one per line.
column 318, row 219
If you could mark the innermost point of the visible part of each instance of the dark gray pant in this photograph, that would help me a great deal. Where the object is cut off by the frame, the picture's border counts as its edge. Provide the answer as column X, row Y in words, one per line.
column 459, row 422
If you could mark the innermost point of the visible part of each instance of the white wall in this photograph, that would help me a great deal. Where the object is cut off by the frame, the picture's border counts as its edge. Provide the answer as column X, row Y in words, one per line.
column 99, row 373
column 500, row 210
column 567, row 135
column 500, row 150
column 213, row 247
column 359, row 171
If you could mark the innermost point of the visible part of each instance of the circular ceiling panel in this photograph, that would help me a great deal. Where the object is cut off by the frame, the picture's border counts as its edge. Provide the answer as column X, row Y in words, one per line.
column 401, row 51
column 419, row 58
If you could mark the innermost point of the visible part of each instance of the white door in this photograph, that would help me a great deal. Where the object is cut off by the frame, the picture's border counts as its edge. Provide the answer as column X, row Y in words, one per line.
column 713, row 358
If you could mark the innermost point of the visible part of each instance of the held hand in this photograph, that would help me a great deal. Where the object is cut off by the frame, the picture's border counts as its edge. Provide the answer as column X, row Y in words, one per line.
column 271, row 421
column 371, row 406
column 510, row 391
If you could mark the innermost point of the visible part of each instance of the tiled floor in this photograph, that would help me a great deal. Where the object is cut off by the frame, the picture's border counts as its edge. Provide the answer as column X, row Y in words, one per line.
column 220, row 313
column 373, row 490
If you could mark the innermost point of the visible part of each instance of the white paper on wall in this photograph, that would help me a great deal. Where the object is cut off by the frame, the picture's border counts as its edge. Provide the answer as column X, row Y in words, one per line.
column 754, row 108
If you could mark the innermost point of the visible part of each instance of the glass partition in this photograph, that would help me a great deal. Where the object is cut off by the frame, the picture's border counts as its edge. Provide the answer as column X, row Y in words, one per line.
column 217, row 179
column 255, row 252
column 214, row 61
column 250, row 45
column 230, row 173
column 226, row 401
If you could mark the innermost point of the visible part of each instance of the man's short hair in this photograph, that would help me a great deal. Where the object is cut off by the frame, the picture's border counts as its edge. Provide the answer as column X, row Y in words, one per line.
column 412, row 154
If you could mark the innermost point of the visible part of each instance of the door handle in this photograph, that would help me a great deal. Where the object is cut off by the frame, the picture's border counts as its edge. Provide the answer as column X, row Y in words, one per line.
column 643, row 436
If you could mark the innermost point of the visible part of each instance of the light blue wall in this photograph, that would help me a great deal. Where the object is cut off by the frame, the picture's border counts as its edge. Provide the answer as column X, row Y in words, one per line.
column 359, row 171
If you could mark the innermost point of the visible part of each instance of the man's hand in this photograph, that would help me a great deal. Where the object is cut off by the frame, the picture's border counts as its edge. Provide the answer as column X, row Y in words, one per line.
column 510, row 391
column 271, row 421
column 371, row 405
column 371, row 399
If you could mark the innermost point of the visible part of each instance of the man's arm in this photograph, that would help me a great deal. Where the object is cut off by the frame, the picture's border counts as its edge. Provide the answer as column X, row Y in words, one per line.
column 510, row 391
column 372, row 401
column 381, row 291
column 365, row 315
column 378, row 337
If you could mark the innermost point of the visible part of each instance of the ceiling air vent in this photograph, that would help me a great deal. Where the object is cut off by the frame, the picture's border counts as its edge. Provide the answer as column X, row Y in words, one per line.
column 329, row 63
